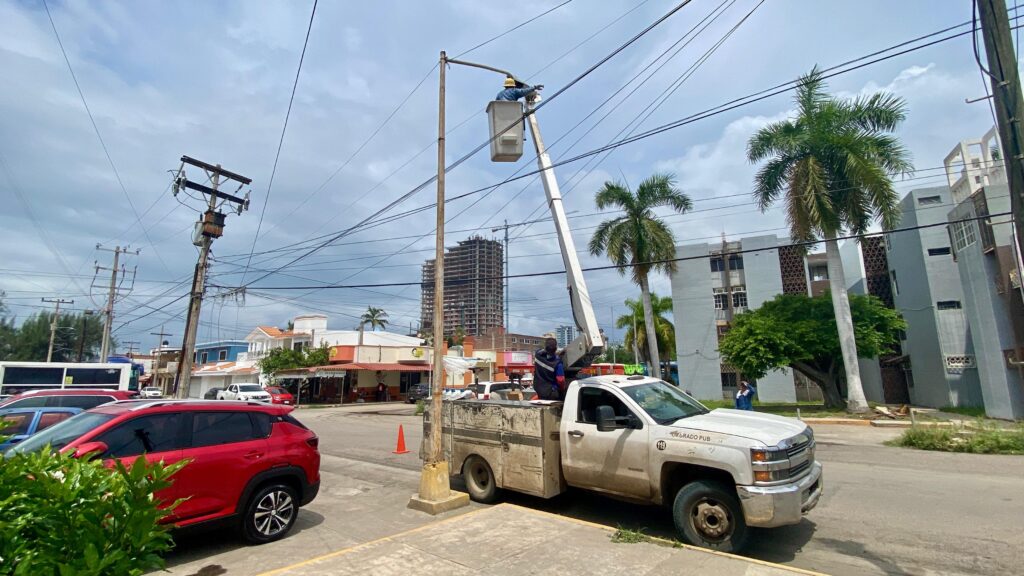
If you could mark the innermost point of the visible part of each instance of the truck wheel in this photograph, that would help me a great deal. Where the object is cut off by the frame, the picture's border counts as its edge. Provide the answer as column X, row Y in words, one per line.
column 479, row 479
column 707, row 514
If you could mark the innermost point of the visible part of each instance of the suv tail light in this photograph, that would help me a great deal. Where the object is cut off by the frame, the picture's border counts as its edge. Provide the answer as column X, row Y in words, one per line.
column 487, row 397
column 313, row 442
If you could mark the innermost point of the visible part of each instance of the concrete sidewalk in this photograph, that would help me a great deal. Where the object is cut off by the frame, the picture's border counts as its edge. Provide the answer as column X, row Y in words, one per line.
column 511, row 540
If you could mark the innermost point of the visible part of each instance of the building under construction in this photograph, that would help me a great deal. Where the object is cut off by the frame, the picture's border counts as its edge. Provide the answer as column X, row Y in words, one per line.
column 473, row 291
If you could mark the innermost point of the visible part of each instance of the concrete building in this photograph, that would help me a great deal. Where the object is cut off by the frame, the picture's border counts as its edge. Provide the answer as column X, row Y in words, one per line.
column 938, row 351
column 474, row 288
column 565, row 334
column 866, row 268
column 707, row 291
column 500, row 340
column 983, row 245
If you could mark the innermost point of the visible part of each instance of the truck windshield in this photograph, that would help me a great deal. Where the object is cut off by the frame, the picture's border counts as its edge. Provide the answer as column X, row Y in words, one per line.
column 664, row 402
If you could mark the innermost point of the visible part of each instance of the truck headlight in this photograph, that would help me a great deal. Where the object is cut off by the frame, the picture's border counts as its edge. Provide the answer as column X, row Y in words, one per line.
column 768, row 455
column 769, row 464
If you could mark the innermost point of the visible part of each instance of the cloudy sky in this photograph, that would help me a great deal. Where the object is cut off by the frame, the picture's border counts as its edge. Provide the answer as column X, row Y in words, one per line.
column 212, row 80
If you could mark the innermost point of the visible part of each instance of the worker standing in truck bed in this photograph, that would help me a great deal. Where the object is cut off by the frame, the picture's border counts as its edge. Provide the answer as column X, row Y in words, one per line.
column 548, row 370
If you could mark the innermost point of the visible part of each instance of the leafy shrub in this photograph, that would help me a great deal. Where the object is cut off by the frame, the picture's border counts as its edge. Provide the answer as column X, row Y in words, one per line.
column 979, row 440
column 421, row 407
column 75, row 517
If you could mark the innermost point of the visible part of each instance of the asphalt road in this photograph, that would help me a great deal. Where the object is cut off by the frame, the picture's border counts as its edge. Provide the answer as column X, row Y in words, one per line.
column 884, row 511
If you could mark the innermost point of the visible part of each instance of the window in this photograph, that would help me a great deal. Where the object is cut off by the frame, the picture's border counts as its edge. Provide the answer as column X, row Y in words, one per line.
column 50, row 418
column 30, row 376
column 720, row 299
column 591, row 398
column 895, row 284
column 944, row 251
column 514, row 340
column 729, row 380
column 735, row 262
column 716, row 265
column 17, row 424
column 212, row 428
column 222, row 355
column 739, row 297
column 147, row 434
column 204, row 357
column 929, row 200
column 663, row 402
column 261, row 424
column 93, row 376
column 819, row 273
column 948, row 305
column 76, row 401
column 888, row 244
column 29, row 402
column 963, row 234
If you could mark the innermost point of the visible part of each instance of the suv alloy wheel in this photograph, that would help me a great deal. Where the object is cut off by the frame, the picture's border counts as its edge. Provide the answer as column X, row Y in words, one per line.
column 270, row 513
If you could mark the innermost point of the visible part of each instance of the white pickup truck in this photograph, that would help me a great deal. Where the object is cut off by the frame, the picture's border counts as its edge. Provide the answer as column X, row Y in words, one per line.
column 244, row 392
column 640, row 439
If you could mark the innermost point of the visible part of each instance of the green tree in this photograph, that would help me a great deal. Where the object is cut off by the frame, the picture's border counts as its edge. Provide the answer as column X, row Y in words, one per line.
column 800, row 332
column 287, row 359
column 639, row 240
column 30, row 341
column 8, row 333
column 664, row 330
column 375, row 318
column 832, row 167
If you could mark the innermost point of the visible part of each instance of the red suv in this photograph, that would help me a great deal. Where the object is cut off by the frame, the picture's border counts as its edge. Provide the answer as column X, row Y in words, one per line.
column 249, row 461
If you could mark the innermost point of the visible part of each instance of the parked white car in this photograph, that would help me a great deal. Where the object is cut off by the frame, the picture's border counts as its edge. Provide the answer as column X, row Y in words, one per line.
column 244, row 392
column 152, row 392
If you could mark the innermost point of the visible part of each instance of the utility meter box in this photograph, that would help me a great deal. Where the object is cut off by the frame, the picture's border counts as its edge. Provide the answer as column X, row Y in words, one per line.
column 507, row 146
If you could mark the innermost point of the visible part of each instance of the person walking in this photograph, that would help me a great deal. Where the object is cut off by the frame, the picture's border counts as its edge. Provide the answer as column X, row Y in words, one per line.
column 745, row 396
column 382, row 390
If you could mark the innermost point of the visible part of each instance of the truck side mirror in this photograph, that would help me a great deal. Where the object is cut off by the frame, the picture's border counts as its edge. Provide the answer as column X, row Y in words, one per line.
column 606, row 419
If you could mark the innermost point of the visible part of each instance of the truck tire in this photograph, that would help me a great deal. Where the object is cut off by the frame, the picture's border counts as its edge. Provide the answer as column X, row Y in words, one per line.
column 480, row 482
column 708, row 514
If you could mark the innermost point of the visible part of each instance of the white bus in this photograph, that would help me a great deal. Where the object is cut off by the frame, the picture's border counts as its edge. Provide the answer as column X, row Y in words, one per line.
column 18, row 377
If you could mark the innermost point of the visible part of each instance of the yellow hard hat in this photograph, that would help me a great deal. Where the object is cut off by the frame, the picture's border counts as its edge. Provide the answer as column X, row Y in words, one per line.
column 510, row 82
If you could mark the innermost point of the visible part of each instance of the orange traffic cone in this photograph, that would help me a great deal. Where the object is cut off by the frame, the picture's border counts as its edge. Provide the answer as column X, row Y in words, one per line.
column 400, row 449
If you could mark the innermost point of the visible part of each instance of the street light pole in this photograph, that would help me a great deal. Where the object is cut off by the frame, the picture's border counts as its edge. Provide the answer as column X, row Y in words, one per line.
column 435, row 495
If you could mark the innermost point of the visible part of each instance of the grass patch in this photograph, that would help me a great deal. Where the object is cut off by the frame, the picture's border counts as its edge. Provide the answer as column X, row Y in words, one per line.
column 980, row 439
column 627, row 536
column 421, row 406
column 972, row 411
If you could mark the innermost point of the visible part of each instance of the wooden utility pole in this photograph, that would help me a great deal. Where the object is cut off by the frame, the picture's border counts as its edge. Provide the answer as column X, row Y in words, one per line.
column 208, row 228
column 161, row 339
column 81, row 337
column 53, row 323
column 1007, row 97
column 112, row 293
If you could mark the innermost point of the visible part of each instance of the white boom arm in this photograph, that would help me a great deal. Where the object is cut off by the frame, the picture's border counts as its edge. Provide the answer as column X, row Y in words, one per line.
column 590, row 343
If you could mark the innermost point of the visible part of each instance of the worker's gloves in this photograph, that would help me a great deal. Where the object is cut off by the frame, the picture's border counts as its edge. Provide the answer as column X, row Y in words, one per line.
column 538, row 87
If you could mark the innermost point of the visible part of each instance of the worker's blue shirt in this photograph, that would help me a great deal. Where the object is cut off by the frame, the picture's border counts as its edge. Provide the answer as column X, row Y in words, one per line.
column 745, row 400
column 513, row 94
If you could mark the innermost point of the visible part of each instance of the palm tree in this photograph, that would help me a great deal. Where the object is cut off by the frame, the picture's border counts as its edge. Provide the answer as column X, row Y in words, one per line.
column 639, row 240
column 664, row 330
column 832, row 167
column 375, row 317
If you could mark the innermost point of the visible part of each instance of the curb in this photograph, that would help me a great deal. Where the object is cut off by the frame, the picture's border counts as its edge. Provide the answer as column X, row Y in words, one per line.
column 838, row 421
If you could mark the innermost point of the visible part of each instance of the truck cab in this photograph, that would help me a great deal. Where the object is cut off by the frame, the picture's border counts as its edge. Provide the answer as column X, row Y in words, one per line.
column 640, row 439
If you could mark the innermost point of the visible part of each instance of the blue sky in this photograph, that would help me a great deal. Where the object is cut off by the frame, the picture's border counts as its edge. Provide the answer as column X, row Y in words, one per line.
column 212, row 80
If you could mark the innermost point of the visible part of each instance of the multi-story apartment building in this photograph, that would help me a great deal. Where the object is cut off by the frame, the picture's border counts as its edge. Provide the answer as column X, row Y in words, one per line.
column 473, row 290
column 565, row 334
column 708, row 292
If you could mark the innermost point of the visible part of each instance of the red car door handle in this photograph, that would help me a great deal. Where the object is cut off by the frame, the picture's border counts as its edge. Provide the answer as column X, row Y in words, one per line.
column 254, row 455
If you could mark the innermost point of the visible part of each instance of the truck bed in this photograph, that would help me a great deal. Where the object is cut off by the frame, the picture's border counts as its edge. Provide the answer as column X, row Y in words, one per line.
column 519, row 441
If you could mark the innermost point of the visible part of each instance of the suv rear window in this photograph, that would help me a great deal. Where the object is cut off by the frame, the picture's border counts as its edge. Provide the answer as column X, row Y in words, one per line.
column 213, row 428
column 78, row 401
column 28, row 402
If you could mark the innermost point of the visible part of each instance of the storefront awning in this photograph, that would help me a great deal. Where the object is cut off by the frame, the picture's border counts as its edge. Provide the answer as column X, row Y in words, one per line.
column 385, row 366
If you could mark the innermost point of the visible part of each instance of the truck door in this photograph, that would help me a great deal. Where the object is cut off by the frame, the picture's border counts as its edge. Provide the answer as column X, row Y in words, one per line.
column 613, row 461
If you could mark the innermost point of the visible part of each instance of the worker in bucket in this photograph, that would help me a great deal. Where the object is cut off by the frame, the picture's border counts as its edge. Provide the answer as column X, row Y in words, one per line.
column 515, row 90
column 548, row 370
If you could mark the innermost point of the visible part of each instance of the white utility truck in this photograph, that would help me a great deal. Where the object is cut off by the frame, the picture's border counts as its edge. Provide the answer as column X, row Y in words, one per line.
column 631, row 437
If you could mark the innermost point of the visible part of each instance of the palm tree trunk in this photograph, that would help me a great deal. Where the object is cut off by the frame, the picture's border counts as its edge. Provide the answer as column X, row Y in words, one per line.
column 652, row 338
column 855, row 400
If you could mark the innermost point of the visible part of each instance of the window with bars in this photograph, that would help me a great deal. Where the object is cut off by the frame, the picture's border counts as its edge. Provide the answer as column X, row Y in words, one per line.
column 720, row 299
column 739, row 297
column 963, row 234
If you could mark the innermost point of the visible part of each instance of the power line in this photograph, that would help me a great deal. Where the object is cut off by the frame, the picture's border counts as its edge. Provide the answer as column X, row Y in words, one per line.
column 103, row 144
column 454, row 282
column 280, row 142
column 513, row 29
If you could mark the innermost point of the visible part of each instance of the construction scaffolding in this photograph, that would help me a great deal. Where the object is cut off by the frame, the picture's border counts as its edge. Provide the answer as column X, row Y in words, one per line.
column 473, row 289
